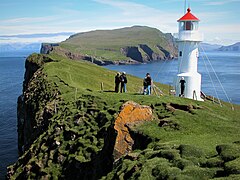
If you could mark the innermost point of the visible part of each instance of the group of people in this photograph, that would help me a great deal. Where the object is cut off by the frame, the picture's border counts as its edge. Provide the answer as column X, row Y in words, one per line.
column 121, row 79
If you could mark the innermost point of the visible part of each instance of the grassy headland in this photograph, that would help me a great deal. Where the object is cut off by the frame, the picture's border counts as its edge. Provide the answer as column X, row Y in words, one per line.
column 186, row 140
column 137, row 43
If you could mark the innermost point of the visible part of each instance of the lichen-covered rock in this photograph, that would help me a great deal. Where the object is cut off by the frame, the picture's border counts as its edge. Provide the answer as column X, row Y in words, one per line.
column 131, row 113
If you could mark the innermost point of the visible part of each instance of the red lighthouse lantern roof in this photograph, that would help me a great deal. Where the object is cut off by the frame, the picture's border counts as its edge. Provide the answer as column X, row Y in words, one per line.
column 188, row 16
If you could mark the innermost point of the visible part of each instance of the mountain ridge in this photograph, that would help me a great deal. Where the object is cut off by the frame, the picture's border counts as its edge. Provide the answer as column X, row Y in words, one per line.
column 136, row 44
column 231, row 48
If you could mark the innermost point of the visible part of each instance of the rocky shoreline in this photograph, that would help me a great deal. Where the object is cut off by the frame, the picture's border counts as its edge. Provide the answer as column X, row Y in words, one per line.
column 132, row 54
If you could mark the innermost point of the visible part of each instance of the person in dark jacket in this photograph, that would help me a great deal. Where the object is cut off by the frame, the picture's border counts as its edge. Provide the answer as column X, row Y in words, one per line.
column 117, row 82
column 182, row 82
column 123, row 78
column 147, row 83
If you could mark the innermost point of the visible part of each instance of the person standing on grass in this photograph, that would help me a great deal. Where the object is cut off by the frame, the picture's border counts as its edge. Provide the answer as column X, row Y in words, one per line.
column 147, row 83
column 117, row 82
column 182, row 82
column 123, row 78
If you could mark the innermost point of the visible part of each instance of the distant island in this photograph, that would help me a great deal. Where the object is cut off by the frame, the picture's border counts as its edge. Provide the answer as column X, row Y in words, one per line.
column 233, row 48
column 130, row 45
column 209, row 47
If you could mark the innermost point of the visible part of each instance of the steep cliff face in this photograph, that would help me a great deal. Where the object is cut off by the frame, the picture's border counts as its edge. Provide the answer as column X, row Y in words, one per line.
column 33, row 109
column 46, row 48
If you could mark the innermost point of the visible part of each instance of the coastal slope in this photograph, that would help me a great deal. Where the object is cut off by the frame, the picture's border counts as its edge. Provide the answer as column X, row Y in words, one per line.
column 137, row 44
column 72, row 127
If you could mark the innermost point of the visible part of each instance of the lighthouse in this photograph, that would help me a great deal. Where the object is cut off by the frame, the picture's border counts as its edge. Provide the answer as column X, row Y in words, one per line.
column 188, row 80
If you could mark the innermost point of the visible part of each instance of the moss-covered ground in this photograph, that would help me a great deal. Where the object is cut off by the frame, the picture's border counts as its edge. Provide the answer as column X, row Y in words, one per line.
column 189, row 139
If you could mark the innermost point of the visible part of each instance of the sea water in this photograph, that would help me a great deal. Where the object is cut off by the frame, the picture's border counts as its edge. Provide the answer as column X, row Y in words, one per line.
column 11, row 79
column 226, row 66
column 220, row 73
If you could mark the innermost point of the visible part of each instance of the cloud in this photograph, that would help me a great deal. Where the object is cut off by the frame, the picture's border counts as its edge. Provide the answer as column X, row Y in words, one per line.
column 116, row 14
column 220, row 2
column 128, row 8
column 225, row 34
column 222, row 28
column 134, row 13
column 52, row 39
column 27, row 20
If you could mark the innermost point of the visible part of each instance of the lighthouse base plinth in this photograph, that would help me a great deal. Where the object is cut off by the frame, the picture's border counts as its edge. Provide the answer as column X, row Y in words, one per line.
column 192, row 89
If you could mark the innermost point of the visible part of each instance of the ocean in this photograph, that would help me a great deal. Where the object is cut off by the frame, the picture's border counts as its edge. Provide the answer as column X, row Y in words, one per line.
column 11, row 79
column 226, row 66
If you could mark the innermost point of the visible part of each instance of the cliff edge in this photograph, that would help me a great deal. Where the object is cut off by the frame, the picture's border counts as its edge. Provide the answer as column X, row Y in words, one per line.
column 69, row 128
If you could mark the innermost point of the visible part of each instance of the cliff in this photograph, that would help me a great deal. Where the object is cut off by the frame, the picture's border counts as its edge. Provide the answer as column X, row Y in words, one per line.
column 70, row 129
column 137, row 44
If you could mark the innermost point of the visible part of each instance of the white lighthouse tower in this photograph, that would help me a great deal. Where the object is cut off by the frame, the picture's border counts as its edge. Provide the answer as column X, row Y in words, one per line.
column 188, row 41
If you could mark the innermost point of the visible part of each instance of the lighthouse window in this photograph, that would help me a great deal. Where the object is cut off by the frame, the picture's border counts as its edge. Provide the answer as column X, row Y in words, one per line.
column 189, row 25
column 195, row 25
column 181, row 25
column 180, row 53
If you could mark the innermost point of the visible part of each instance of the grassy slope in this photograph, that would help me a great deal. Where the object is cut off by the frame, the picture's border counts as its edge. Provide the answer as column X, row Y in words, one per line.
column 219, row 124
column 203, row 128
column 107, row 43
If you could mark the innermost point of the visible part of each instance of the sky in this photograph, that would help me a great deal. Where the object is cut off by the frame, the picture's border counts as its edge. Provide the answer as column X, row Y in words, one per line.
column 220, row 20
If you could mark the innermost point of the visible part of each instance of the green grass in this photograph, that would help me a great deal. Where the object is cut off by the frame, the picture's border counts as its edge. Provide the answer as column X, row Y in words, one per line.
column 197, row 139
column 106, row 44
column 206, row 127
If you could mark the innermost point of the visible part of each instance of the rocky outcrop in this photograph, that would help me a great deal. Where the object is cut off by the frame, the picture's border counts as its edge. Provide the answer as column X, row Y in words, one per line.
column 76, row 56
column 46, row 48
column 131, row 114
column 133, row 53
column 150, row 55
column 143, row 53
column 167, row 54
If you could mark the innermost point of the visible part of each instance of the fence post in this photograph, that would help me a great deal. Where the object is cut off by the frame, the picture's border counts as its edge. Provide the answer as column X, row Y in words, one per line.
column 75, row 94
column 101, row 86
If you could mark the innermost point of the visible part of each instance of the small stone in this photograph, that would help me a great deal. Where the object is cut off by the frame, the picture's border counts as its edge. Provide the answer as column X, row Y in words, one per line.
column 57, row 143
